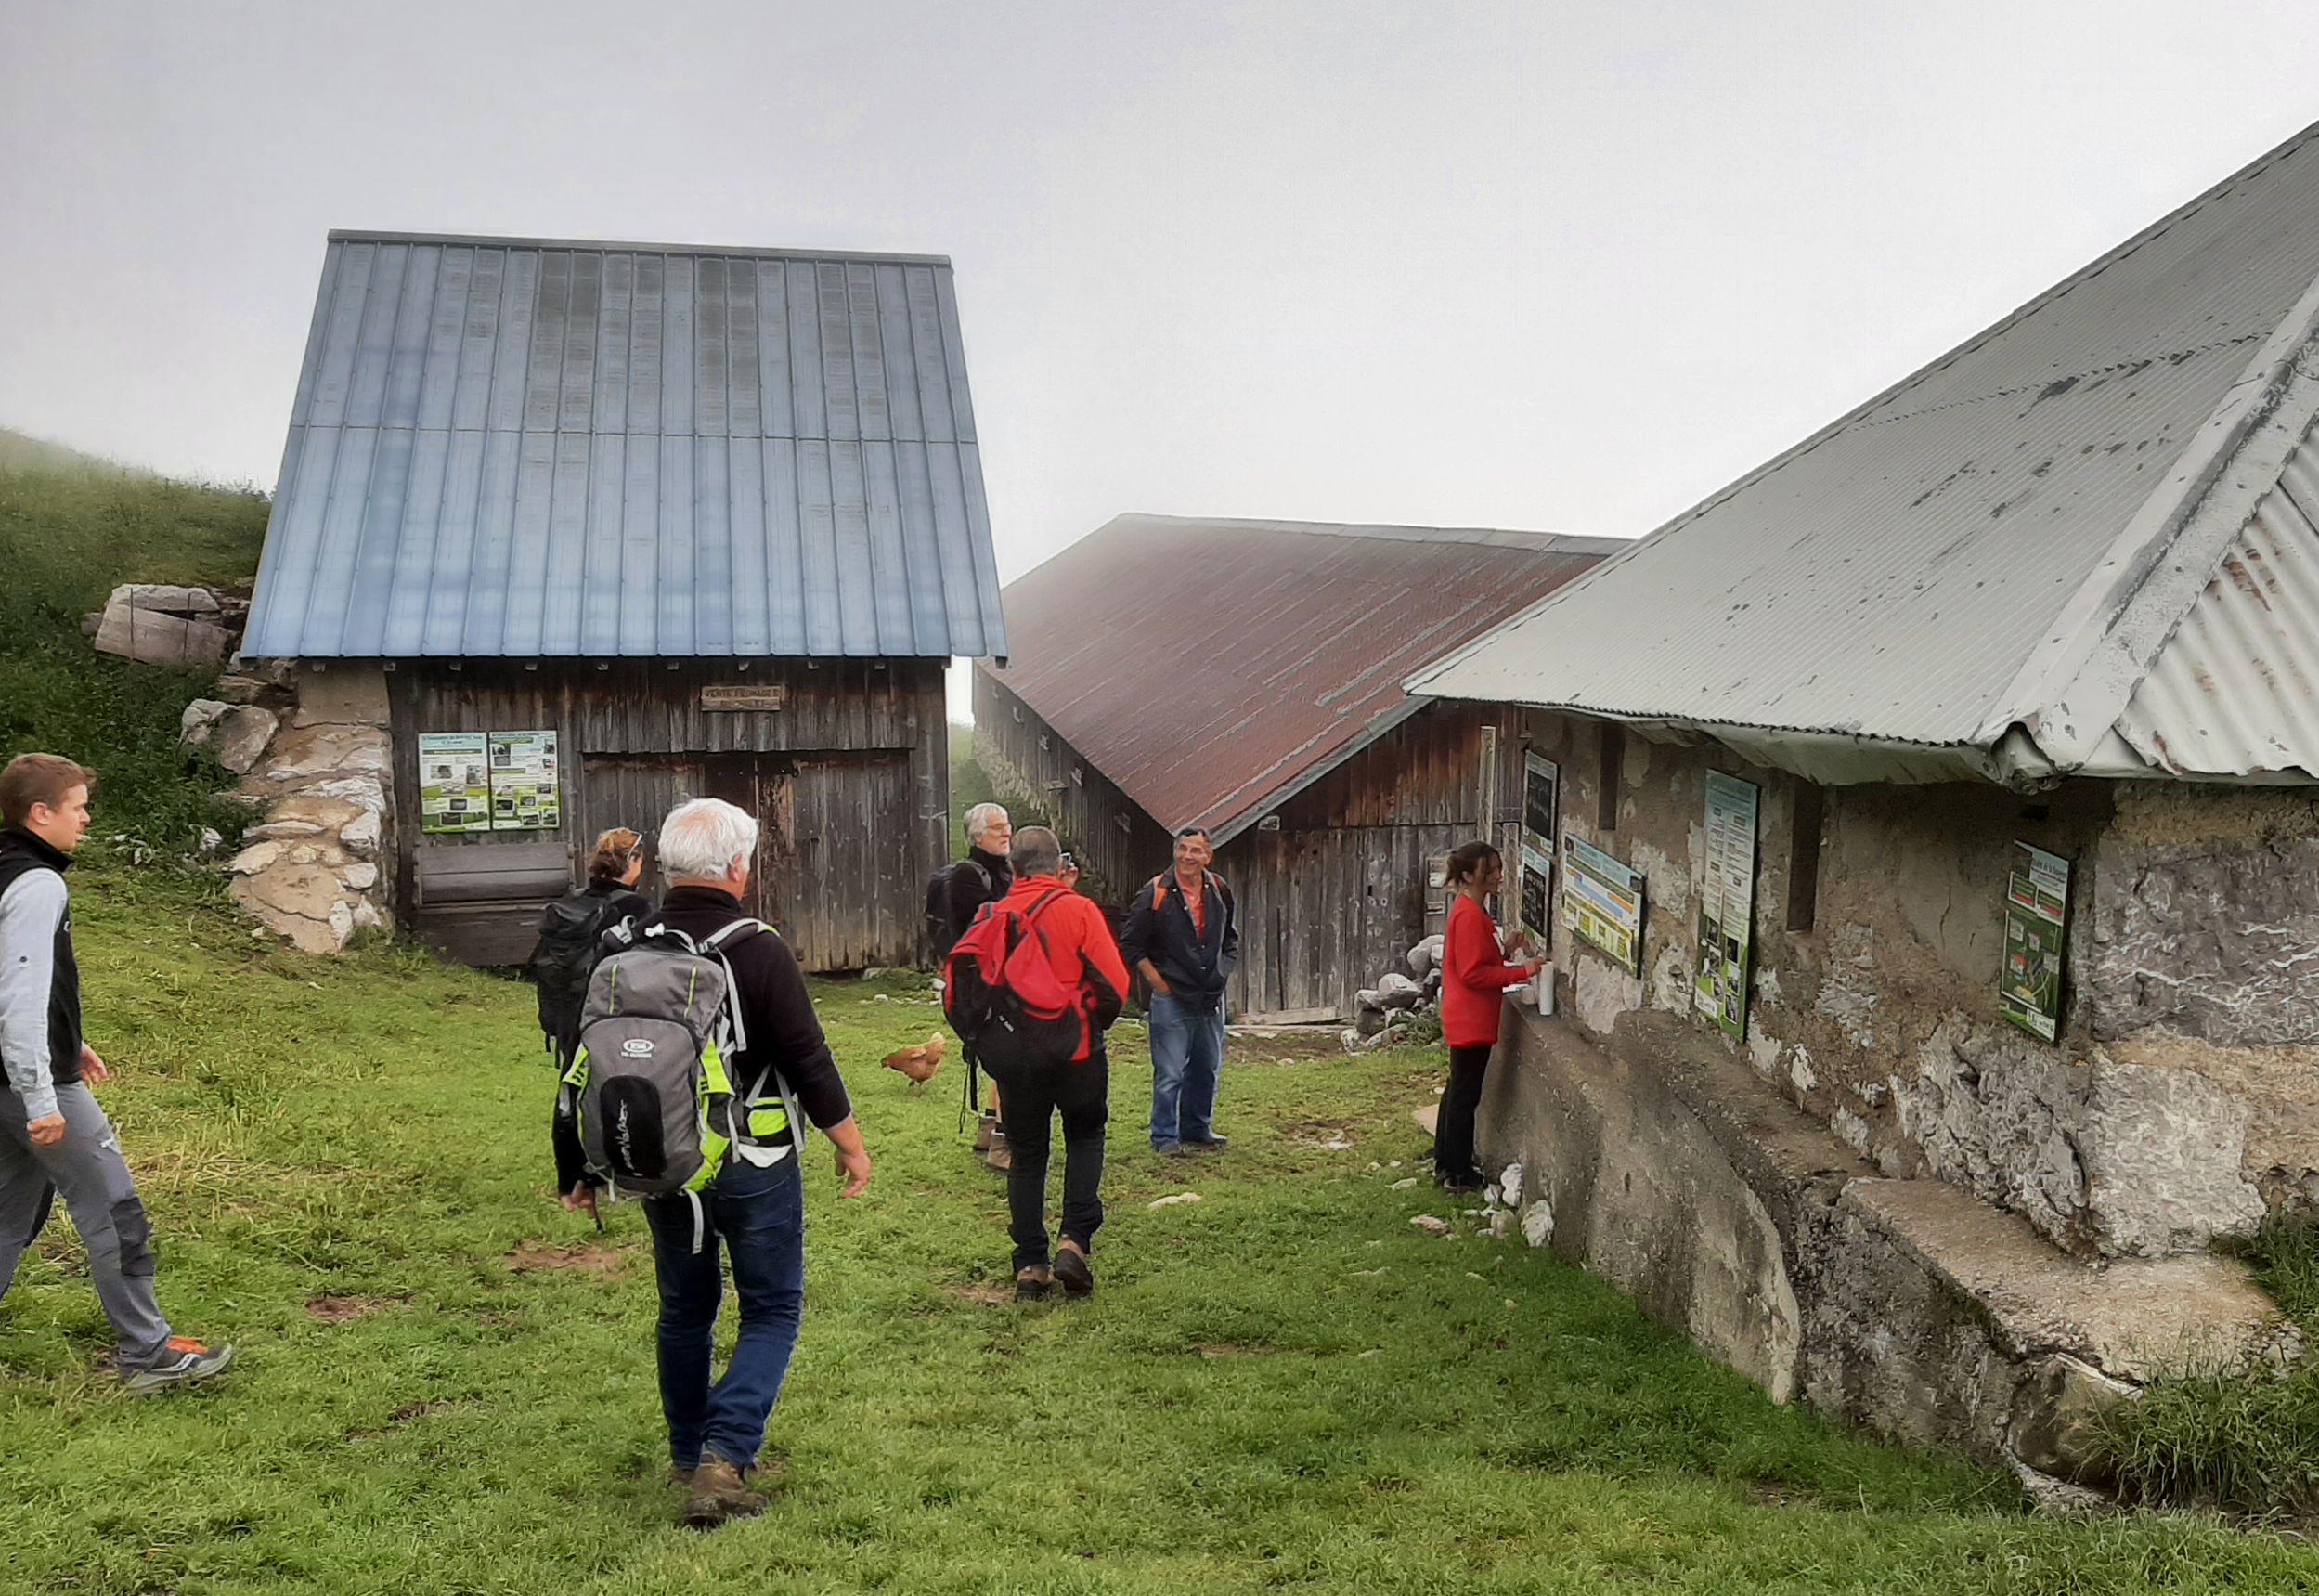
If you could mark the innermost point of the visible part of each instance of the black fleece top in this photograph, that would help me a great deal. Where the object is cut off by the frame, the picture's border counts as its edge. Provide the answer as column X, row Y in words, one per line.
column 776, row 1013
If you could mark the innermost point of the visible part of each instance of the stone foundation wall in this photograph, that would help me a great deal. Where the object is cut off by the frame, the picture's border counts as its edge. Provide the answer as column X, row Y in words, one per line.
column 2181, row 1093
column 316, row 757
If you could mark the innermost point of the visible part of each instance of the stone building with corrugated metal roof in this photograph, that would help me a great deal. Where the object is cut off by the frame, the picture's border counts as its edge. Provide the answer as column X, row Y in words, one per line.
column 575, row 531
column 1936, row 869
column 1245, row 676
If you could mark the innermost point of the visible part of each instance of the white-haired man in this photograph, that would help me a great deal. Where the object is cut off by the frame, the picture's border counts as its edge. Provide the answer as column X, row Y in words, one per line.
column 985, row 875
column 758, row 1213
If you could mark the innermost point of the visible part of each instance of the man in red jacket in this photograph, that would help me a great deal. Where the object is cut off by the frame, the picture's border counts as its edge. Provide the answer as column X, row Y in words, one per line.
column 1087, row 961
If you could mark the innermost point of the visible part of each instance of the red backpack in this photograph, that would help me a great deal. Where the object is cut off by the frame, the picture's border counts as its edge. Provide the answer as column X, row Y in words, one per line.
column 1002, row 995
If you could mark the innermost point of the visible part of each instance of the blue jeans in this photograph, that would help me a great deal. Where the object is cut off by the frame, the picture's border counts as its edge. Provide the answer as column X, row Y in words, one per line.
column 1187, row 1055
column 759, row 1214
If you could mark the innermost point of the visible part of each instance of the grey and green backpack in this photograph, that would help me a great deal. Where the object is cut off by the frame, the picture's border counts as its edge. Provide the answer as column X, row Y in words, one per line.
column 658, row 1111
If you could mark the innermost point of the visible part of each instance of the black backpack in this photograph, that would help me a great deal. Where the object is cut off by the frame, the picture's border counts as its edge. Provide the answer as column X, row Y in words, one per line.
column 565, row 956
column 939, row 932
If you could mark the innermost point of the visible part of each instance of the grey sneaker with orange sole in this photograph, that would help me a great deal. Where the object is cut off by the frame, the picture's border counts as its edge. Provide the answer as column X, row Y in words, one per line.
column 183, row 1361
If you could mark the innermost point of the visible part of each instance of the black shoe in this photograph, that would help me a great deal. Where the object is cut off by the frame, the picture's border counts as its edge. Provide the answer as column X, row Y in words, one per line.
column 1072, row 1274
column 1208, row 1143
column 1033, row 1282
column 1463, row 1185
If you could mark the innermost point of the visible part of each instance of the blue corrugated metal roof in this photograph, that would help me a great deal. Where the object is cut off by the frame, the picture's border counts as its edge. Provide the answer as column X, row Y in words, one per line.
column 506, row 447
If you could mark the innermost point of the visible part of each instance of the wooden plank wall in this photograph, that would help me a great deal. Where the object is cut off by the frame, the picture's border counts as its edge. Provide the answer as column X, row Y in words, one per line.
column 1337, row 895
column 1118, row 844
column 866, row 744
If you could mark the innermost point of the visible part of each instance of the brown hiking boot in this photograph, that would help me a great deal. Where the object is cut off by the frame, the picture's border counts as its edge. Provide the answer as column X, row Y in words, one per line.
column 1071, row 1271
column 718, row 1493
column 997, row 1157
column 1033, row 1282
column 986, row 1126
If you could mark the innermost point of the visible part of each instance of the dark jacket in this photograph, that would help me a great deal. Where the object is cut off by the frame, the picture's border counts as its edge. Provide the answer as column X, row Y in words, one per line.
column 1197, row 963
column 776, row 1013
column 975, row 880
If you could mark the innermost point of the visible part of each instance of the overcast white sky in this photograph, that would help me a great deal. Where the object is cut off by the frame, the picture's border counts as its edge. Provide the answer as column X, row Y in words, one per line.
column 1560, row 266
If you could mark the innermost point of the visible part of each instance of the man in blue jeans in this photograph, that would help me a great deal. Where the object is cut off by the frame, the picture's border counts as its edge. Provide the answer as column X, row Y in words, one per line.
column 1183, row 935
column 757, row 1212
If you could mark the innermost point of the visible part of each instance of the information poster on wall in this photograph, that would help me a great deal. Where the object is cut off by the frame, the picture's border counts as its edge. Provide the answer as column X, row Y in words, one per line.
column 527, row 794
column 1727, row 901
column 454, row 782
column 1602, row 902
column 2036, row 915
column 1540, row 787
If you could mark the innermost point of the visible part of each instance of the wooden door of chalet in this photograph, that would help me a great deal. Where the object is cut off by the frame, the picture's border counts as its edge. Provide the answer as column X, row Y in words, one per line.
column 763, row 787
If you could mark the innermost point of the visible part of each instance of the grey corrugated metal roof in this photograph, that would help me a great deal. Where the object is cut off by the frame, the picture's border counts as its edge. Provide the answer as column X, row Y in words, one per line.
column 2235, row 690
column 535, row 448
column 1961, row 555
column 1285, row 659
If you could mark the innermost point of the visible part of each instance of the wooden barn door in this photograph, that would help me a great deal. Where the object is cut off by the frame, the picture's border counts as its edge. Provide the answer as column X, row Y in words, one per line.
column 763, row 787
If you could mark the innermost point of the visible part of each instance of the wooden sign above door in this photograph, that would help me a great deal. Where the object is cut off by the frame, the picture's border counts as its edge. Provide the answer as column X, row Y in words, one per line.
column 750, row 695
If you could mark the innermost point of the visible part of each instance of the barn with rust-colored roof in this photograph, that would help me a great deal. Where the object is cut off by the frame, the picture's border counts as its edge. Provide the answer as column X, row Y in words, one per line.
column 1246, row 676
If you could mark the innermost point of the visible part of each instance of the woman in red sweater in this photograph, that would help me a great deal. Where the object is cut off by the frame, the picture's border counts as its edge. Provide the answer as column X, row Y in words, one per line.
column 1474, row 977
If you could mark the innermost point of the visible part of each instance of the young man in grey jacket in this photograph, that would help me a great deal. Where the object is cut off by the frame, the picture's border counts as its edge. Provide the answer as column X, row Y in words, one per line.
column 53, row 1136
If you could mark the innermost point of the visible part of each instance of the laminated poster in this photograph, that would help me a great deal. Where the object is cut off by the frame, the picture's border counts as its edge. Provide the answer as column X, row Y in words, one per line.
column 2037, row 913
column 1727, row 903
column 1540, row 783
column 1602, row 902
column 527, row 794
column 454, row 782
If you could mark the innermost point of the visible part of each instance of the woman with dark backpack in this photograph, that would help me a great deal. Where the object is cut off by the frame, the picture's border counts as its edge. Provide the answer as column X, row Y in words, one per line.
column 570, row 930
column 1474, row 977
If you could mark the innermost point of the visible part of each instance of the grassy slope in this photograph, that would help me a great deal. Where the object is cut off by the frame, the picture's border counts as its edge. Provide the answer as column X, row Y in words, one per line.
column 68, row 540
column 21, row 451
column 1282, row 1386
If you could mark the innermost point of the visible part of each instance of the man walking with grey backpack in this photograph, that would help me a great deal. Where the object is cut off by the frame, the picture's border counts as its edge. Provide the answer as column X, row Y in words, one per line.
column 699, row 1049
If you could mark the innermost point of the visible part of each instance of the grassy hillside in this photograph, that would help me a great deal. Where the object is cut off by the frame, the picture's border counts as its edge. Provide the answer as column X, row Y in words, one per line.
column 68, row 540
column 446, row 1382
column 21, row 451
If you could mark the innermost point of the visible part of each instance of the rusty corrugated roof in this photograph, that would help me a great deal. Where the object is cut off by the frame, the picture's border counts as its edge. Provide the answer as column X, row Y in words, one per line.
column 1215, row 668
column 1989, row 556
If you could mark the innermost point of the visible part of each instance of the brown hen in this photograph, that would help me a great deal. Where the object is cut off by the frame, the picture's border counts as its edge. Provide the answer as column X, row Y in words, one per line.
column 919, row 1062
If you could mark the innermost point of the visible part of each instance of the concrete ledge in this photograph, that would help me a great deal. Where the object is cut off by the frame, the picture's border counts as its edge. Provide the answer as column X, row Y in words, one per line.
column 1911, row 1307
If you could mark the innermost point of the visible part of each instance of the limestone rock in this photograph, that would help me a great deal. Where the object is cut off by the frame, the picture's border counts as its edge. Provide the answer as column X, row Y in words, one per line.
column 278, row 830
column 1426, row 957
column 1370, row 1022
column 256, row 857
column 242, row 736
column 360, row 834
column 173, row 627
column 342, row 922
column 367, row 792
column 1396, row 990
column 361, row 877
column 198, row 725
column 367, row 916
column 321, row 812
column 1537, row 1223
column 1433, row 1225
column 330, row 750
column 1369, row 999
column 2164, row 1150
column 295, row 902
column 2055, row 1418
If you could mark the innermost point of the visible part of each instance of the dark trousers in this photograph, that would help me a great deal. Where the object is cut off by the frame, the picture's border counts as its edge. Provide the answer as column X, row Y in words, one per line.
column 758, row 1215
column 1082, row 1095
column 1454, row 1157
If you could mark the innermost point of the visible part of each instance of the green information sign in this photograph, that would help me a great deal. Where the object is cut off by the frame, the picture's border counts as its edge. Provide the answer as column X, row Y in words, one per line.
column 2037, row 919
column 1727, row 903
column 454, row 782
column 525, row 792
column 1602, row 902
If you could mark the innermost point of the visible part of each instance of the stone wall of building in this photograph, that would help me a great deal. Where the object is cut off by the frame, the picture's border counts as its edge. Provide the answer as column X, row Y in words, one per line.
column 2179, row 1094
column 312, row 750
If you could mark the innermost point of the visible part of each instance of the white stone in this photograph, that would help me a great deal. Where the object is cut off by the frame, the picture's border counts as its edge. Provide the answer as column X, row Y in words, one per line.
column 367, row 792
column 1402, row 1185
column 361, row 877
column 1396, row 990
column 1501, row 1222
column 212, row 839
column 1852, row 1130
column 361, row 834
column 1800, row 1070
column 1509, row 1186
column 243, row 736
column 1425, row 957
column 1181, row 1197
column 330, row 750
column 252, row 860
column 200, row 719
column 1537, row 1223
column 1433, row 1225
column 341, row 921
column 367, row 916
column 281, row 831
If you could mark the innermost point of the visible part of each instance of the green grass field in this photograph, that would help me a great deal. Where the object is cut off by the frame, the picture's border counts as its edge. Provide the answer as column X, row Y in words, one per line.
column 446, row 1383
